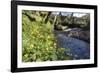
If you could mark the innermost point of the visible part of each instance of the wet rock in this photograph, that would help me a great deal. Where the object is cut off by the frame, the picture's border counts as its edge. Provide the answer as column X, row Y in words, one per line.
column 79, row 34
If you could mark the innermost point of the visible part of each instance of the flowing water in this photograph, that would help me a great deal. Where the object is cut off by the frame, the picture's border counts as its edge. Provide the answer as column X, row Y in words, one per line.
column 78, row 49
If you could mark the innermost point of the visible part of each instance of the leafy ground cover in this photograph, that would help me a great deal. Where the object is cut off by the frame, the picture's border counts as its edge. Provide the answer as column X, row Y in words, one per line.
column 38, row 41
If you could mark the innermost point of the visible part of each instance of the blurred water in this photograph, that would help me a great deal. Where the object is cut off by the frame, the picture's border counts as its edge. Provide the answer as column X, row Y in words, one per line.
column 78, row 49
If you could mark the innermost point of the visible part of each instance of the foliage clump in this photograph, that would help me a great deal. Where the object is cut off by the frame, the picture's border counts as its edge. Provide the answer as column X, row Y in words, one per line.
column 38, row 41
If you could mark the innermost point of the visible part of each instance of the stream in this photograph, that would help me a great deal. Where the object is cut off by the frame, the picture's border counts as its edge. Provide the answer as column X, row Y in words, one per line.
column 78, row 49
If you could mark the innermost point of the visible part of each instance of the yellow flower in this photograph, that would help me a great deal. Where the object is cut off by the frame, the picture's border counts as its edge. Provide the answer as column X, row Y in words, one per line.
column 26, row 55
column 46, row 48
column 31, row 45
column 55, row 44
column 48, row 37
